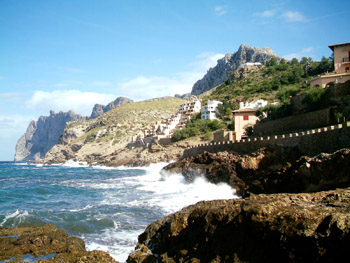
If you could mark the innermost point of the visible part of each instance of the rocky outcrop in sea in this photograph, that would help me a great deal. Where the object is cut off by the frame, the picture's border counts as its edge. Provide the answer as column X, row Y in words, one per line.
column 46, row 244
column 100, row 109
column 307, row 227
column 231, row 62
column 43, row 134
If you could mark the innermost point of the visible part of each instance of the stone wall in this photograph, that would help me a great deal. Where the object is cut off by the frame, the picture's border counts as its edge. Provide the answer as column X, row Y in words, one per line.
column 310, row 142
column 310, row 120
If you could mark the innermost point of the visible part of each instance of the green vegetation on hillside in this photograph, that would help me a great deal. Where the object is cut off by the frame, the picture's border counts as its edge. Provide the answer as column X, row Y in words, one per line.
column 196, row 127
column 270, row 81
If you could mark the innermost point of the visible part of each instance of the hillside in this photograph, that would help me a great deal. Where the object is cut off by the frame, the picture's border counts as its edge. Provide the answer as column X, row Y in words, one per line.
column 230, row 62
column 98, row 138
column 272, row 81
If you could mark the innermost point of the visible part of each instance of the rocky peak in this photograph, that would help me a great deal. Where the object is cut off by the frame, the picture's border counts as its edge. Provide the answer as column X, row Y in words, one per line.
column 231, row 62
column 43, row 134
column 99, row 109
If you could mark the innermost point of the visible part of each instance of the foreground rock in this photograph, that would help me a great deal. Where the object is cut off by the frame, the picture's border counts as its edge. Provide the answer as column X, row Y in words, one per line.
column 270, row 170
column 262, row 228
column 45, row 244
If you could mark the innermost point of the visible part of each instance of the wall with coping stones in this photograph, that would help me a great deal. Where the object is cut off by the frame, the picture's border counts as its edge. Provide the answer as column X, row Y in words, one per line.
column 311, row 142
column 311, row 120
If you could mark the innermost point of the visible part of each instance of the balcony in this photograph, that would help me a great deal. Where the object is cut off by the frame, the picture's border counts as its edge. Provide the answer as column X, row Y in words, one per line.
column 346, row 60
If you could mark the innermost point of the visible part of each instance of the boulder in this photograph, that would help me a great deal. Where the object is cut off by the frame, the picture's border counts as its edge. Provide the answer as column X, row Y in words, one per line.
column 308, row 227
column 46, row 244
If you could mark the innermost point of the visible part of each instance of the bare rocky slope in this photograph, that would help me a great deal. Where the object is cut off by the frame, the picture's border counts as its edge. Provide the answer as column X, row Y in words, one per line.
column 43, row 134
column 231, row 62
column 100, row 109
column 105, row 140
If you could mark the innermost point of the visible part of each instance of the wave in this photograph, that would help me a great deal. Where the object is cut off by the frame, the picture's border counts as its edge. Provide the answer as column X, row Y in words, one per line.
column 15, row 218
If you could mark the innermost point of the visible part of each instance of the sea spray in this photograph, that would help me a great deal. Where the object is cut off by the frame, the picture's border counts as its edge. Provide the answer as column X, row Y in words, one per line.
column 107, row 207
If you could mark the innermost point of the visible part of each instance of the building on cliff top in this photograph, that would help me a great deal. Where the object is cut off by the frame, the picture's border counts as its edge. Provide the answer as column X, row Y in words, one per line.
column 341, row 72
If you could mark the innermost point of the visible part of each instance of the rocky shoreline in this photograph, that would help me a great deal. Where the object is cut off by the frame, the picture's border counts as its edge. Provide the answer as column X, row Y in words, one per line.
column 294, row 209
column 46, row 244
column 313, row 227
column 270, row 170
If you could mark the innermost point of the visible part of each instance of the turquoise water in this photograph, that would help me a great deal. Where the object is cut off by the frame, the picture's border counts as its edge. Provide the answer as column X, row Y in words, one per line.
column 106, row 207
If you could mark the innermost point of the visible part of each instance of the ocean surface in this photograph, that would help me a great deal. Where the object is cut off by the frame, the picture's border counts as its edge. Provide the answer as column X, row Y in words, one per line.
column 107, row 207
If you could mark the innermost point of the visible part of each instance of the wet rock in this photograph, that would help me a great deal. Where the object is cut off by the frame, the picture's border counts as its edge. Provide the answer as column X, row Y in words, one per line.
column 309, row 227
column 46, row 244
column 270, row 170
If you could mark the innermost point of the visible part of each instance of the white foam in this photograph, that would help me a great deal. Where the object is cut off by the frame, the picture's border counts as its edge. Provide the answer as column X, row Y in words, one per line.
column 17, row 214
column 71, row 163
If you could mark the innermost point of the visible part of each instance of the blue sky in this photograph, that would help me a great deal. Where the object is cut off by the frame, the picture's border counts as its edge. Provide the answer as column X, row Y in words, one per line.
column 63, row 55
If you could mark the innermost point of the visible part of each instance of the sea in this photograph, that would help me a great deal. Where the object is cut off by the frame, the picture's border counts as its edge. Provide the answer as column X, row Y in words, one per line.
column 107, row 207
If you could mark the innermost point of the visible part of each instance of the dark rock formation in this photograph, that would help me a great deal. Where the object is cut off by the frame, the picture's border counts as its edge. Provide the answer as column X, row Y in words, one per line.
column 231, row 62
column 270, row 170
column 43, row 134
column 47, row 244
column 99, row 109
column 262, row 228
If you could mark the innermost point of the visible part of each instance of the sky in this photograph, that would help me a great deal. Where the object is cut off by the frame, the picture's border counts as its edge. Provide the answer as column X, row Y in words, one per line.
column 69, row 55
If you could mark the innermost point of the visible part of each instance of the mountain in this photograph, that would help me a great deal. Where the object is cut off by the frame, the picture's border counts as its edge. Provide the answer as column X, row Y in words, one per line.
column 43, row 134
column 105, row 139
column 231, row 62
column 99, row 109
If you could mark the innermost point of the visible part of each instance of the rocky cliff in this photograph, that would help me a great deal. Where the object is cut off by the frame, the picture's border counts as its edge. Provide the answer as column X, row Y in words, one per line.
column 231, row 62
column 99, row 109
column 104, row 140
column 43, row 134
column 262, row 228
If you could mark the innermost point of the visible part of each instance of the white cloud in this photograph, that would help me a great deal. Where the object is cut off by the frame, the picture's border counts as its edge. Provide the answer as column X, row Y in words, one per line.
column 220, row 10
column 144, row 87
column 277, row 15
column 266, row 14
column 65, row 100
column 290, row 16
column 305, row 52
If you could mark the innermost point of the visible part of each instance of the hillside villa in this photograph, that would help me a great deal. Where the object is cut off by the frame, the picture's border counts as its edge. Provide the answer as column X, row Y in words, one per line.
column 209, row 111
column 245, row 116
column 341, row 72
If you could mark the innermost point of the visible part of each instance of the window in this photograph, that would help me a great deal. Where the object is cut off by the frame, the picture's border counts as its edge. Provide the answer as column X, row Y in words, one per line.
column 245, row 117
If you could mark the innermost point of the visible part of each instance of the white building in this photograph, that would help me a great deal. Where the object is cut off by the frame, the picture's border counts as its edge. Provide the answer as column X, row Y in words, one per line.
column 255, row 104
column 190, row 107
column 251, row 64
column 209, row 111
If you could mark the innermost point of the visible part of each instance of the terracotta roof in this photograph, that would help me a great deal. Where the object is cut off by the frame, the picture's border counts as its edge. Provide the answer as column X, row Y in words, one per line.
column 337, row 45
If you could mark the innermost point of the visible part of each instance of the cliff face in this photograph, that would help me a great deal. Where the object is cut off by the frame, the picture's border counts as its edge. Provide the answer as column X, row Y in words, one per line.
column 231, row 62
column 43, row 134
column 99, row 109
column 262, row 228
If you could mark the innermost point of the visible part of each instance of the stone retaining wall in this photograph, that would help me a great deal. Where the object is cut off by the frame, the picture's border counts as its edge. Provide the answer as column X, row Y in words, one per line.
column 310, row 120
column 311, row 142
